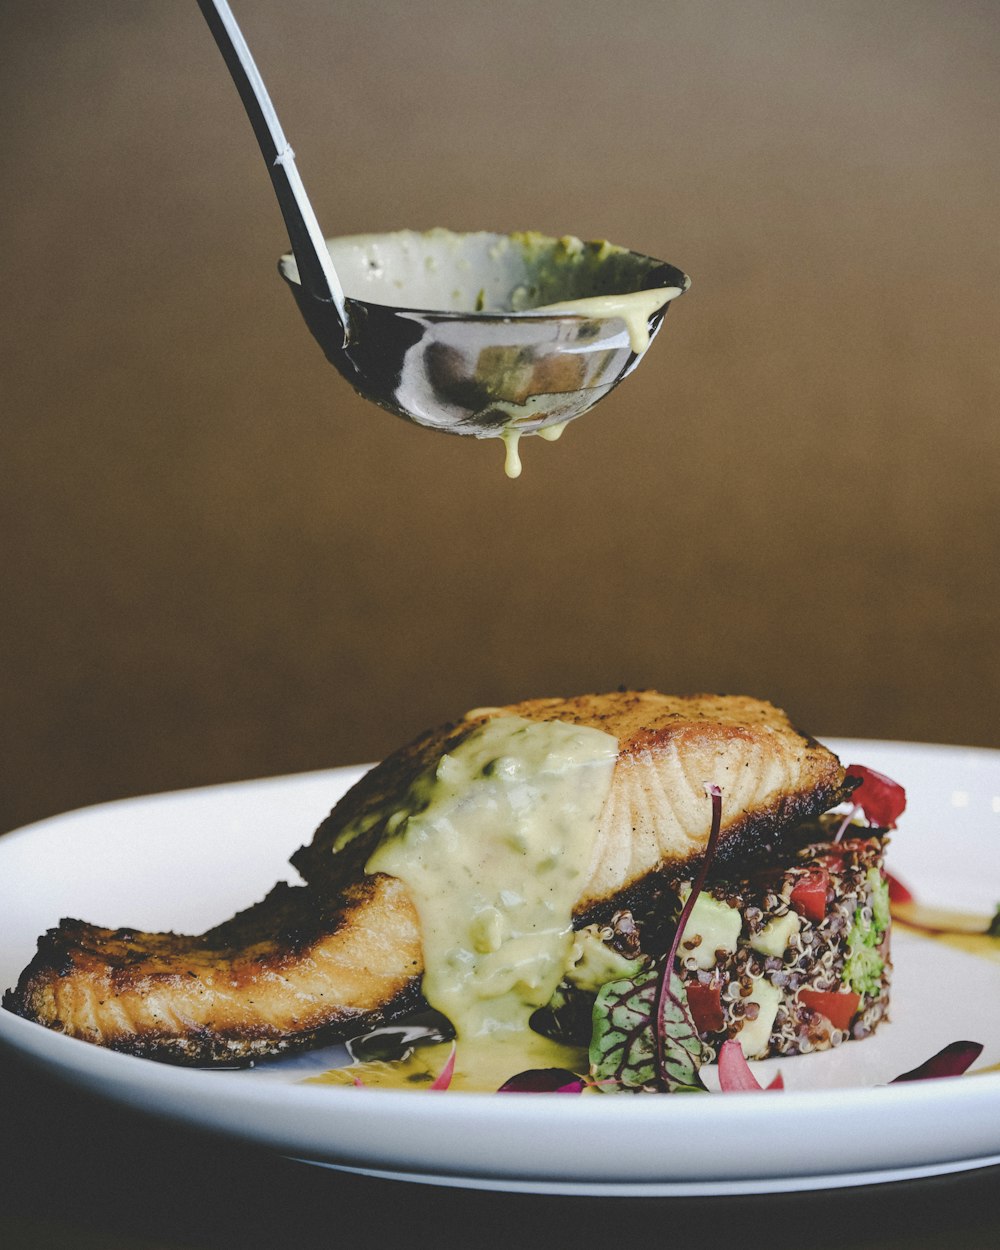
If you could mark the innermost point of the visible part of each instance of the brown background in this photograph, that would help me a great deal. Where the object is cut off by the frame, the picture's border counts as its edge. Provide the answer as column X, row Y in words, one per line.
column 217, row 562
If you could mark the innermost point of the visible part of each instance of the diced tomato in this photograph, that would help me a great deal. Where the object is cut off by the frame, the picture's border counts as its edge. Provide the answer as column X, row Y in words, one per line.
column 809, row 894
column 839, row 1008
column 705, row 1003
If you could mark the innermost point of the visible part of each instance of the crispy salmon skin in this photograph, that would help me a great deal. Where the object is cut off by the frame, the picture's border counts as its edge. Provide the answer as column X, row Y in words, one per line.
column 315, row 962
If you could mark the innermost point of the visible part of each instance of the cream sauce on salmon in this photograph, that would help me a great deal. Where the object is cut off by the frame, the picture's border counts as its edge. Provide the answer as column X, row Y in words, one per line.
column 494, row 853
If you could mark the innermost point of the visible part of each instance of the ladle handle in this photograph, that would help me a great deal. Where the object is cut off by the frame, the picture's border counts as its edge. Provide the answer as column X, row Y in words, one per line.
column 316, row 271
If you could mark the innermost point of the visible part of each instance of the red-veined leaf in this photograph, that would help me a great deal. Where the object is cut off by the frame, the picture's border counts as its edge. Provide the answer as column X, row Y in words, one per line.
column 678, row 1046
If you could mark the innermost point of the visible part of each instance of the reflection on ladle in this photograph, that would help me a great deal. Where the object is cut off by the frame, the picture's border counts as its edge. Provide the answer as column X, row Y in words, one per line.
column 493, row 335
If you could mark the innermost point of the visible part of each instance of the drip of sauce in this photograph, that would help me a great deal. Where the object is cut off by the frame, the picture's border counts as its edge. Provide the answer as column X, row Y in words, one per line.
column 634, row 308
column 511, row 437
column 494, row 859
column 553, row 433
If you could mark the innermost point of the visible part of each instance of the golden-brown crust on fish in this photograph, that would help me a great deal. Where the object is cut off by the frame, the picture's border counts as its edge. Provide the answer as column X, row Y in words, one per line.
column 285, row 973
column 316, row 962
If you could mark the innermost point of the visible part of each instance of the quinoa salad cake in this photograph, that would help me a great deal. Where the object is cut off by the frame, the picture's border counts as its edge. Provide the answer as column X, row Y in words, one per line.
column 793, row 959
column 787, row 956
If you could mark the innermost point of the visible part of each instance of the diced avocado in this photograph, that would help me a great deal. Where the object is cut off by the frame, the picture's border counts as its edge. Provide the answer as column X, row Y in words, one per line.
column 592, row 963
column 776, row 935
column 717, row 925
column 755, row 1034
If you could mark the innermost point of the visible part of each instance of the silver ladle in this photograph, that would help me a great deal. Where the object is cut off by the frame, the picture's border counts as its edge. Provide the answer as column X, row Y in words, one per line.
column 486, row 334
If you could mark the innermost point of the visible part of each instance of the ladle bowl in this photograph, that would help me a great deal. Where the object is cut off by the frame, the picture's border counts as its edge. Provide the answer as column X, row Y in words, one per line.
column 486, row 333
column 482, row 334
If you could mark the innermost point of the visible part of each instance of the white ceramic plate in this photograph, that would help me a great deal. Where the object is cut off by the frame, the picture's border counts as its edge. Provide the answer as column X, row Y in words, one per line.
column 188, row 860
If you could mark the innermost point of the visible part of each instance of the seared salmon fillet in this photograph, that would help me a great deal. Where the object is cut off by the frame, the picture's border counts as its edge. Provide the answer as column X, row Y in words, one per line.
column 656, row 817
column 313, row 963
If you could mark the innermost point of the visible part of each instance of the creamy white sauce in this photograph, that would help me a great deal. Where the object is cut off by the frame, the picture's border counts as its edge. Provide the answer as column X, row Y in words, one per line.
column 634, row 308
column 553, row 433
column 511, row 437
column 494, row 862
